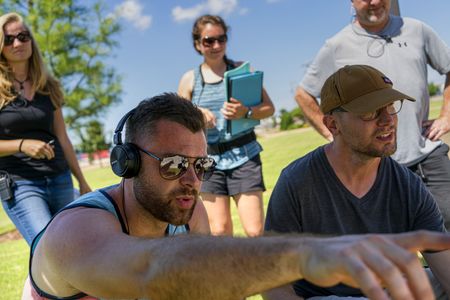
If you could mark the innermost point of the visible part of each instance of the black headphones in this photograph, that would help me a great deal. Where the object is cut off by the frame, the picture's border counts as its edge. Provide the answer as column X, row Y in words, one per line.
column 125, row 159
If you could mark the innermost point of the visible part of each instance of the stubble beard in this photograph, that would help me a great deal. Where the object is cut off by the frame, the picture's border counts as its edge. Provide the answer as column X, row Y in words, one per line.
column 370, row 19
column 164, row 208
column 386, row 151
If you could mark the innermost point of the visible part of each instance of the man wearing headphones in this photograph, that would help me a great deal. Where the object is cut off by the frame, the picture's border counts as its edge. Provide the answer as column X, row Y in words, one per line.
column 401, row 48
column 119, row 243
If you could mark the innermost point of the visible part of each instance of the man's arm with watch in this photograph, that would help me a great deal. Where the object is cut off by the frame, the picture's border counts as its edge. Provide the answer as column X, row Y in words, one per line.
column 234, row 109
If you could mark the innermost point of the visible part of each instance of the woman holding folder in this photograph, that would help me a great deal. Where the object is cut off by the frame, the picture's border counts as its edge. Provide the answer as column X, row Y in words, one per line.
column 238, row 173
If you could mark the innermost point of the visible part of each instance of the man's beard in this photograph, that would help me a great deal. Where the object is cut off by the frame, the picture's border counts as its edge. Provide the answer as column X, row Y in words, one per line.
column 366, row 149
column 372, row 151
column 388, row 150
column 376, row 19
column 164, row 208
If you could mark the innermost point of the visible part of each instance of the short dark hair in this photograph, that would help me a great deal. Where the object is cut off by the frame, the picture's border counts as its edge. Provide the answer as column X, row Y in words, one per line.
column 167, row 106
column 201, row 22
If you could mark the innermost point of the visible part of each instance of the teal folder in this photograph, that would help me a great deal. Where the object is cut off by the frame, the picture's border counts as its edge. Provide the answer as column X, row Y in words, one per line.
column 247, row 88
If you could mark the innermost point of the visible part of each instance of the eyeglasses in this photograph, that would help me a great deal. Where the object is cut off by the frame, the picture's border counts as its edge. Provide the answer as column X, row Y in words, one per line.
column 175, row 166
column 392, row 109
column 209, row 41
column 23, row 37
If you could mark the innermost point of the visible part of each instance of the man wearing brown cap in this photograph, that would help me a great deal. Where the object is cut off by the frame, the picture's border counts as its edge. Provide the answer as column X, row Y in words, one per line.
column 351, row 185
column 403, row 49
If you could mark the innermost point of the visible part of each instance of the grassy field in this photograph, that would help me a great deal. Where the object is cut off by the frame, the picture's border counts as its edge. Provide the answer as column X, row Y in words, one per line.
column 279, row 150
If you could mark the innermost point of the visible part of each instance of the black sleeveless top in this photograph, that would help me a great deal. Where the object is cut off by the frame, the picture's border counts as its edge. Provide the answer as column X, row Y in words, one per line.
column 22, row 119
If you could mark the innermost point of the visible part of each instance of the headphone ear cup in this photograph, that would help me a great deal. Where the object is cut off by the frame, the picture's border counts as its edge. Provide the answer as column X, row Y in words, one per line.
column 125, row 160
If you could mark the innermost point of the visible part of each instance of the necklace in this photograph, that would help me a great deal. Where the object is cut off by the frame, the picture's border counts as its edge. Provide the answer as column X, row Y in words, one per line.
column 22, row 88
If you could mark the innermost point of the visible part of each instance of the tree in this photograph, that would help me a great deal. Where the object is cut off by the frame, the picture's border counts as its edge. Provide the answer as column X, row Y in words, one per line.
column 292, row 119
column 75, row 40
column 433, row 89
column 286, row 120
column 93, row 139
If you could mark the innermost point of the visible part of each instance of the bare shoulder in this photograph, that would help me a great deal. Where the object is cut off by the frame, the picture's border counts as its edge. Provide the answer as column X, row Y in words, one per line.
column 186, row 84
column 67, row 243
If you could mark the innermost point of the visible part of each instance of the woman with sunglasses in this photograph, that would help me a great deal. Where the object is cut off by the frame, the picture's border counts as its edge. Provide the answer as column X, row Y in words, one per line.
column 238, row 173
column 36, row 154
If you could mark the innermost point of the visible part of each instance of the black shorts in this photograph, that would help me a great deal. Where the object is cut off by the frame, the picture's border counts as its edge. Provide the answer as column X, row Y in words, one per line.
column 243, row 179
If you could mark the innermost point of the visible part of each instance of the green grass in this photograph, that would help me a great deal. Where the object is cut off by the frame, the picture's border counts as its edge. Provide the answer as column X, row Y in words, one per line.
column 13, row 268
column 435, row 108
column 5, row 223
column 279, row 150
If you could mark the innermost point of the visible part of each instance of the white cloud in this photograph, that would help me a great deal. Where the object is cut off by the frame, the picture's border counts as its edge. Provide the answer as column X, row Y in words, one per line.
column 221, row 6
column 132, row 11
column 215, row 7
column 184, row 14
column 243, row 11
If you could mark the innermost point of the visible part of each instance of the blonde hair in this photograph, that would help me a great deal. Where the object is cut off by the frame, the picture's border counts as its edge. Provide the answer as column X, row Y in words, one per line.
column 41, row 80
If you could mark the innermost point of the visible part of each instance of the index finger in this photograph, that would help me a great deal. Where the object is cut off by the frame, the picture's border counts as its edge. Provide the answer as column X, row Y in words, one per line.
column 422, row 240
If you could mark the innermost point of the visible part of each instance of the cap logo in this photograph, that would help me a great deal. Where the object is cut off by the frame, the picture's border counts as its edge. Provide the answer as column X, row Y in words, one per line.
column 387, row 80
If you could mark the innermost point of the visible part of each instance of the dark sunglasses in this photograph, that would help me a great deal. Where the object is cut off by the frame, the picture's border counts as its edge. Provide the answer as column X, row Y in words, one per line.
column 23, row 37
column 209, row 41
column 19, row 102
column 392, row 109
column 175, row 166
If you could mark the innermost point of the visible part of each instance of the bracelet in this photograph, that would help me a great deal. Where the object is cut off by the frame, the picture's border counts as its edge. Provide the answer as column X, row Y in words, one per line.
column 20, row 145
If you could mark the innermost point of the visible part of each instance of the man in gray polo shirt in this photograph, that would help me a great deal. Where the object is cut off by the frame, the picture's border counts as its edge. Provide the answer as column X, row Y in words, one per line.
column 401, row 48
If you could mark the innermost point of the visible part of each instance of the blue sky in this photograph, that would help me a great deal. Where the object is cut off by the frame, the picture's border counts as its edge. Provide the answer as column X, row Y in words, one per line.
column 278, row 37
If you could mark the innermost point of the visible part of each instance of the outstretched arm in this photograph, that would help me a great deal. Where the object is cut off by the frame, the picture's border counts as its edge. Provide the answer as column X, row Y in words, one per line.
column 311, row 109
column 101, row 261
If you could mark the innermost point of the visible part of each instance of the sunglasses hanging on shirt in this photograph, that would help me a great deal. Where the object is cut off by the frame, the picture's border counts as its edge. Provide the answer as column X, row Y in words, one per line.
column 19, row 102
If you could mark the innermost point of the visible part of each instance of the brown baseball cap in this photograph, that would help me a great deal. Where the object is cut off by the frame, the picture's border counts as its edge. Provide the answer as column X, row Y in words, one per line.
column 358, row 89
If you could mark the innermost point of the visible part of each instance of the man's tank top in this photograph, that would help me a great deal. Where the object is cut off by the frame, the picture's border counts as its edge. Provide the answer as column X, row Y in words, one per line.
column 98, row 199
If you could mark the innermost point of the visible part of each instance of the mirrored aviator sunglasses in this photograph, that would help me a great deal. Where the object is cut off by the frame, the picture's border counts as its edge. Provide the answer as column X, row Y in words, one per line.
column 209, row 41
column 23, row 37
column 173, row 167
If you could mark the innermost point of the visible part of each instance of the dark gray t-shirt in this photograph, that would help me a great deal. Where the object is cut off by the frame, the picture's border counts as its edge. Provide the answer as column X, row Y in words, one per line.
column 309, row 197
